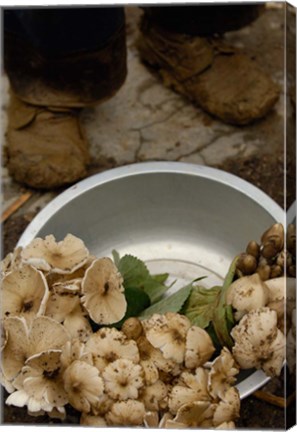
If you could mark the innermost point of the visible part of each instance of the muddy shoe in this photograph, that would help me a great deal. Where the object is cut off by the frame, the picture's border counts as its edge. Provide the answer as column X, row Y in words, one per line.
column 44, row 148
column 218, row 78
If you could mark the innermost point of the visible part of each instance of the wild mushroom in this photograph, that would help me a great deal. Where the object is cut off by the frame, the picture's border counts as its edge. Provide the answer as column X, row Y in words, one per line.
column 40, row 384
column 258, row 342
column 77, row 324
column 62, row 257
column 11, row 261
column 150, row 356
column 83, row 385
column 73, row 350
column 23, row 341
column 103, row 292
column 24, row 293
column 110, row 344
column 189, row 388
column 168, row 333
column 199, row 347
column 228, row 408
column 151, row 419
column 126, row 413
column 247, row 293
column 92, row 420
column 123, row 379
column 61, row 303
column 192, row 415
column 222, row 374
column 155, row 396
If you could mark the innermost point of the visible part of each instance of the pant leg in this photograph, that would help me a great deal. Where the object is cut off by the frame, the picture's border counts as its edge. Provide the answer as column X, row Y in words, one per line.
column 65, row 56
column 204, row 20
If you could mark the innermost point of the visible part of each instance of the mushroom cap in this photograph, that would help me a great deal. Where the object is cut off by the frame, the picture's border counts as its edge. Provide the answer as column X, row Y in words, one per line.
column 24, row 341
column 78, row 324
column 62, row 257
column 190, row 387
column 149, row 353
column 24, row 293
column 281, row 287
column 228, row 408
column 168, row 333
column 40, row 384
column 222, row 374
column 103, row 292
column 126, row 413
column 83, row 385
column 151, row 419
column 255, row 337
column 110, row 344
column 123, row 379
column 11, row 261
column 92, row 420
column 193, row 414
column 61, row 303
column 248, row 293
column 199, row 347
column 154, row 396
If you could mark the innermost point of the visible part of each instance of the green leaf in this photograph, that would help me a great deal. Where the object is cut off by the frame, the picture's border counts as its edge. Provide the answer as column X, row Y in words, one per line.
column 223, row 317
column 161, row 278
column 154, row 289
column 133, row 270
column 200, row 306
column 116, row 257
column 172, row 303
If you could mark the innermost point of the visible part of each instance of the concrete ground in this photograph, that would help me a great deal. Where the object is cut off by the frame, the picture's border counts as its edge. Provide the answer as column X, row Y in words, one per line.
column 146, row 121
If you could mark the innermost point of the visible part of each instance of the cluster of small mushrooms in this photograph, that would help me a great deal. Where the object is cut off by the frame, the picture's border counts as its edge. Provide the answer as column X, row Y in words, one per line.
column 156, row 372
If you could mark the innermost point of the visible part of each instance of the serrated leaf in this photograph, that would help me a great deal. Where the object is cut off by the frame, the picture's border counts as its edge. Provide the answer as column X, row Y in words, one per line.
column 133, row 270
column 172, row 303
column 200, row 306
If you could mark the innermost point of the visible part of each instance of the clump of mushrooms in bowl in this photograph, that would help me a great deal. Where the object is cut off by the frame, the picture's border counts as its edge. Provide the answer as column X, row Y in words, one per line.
column 125, row 345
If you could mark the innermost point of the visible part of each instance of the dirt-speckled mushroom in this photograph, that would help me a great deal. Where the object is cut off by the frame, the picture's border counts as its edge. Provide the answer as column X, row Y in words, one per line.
column 65, row 256
column 222, row 374
column 123, row 379
column 126, row 413
column 24, row 292
column 155, row 396
column 103, row 292
column 199, row 347
column 247, row 293
column 92, row 420
column 228, row 408
column 40, row 384
column 23, row 341
column 258, row 342
column 83, row 385
column 110, row 344
column 189, row 388
column 192, row 415
column 168, row 333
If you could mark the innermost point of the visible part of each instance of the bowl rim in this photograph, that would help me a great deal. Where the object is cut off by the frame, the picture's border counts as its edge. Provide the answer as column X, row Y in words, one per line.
column 247, row 386
column 140, row 168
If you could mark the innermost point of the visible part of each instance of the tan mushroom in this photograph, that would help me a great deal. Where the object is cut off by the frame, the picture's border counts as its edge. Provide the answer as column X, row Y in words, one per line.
column 199, row 347
column 78, row 324
column 258, row 342
column 61, row 303
column 126, row 413
column 73, row 350
column 192, row 415
column 222, row 374
column 168, row 333
column 83, row 385
column 103, row 292
column 123, row 379
column 110, row 344
column 247, row 293
column 151, row 419
column 62, row 257
column 40, row 384
column 23, row 341
column 189, row 388
column 24, row 293
column 11, row 261
column 92, row 420
column 155, row 396
column 228, row 408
